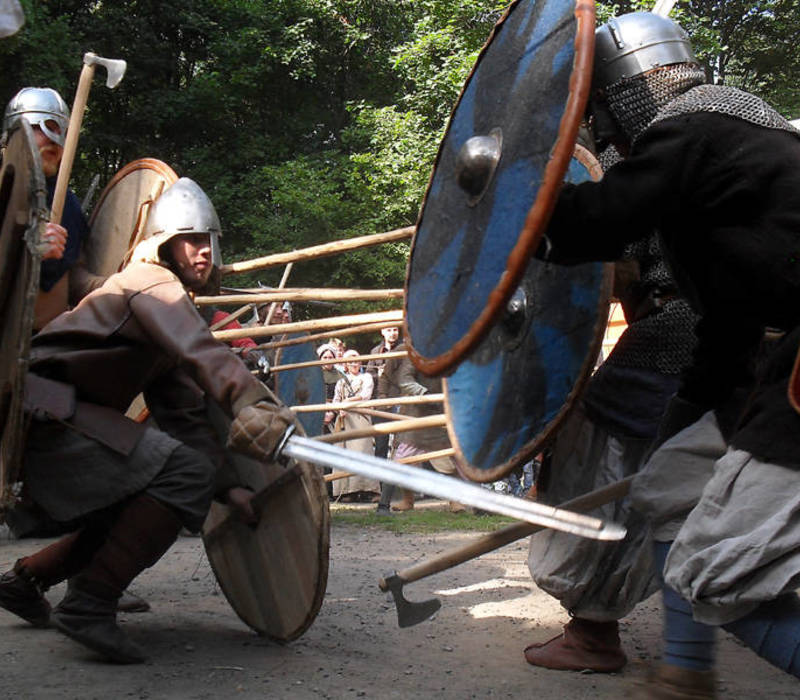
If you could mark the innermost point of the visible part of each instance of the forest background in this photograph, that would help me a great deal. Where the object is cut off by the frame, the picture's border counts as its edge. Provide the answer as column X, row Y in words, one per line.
column 315, row 120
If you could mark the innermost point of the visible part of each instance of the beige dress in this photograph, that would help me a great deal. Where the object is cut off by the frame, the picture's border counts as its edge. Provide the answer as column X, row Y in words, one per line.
column 359, row 385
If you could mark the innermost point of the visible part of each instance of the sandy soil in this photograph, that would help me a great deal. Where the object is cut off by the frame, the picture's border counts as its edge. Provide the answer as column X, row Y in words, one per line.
column 471, row 649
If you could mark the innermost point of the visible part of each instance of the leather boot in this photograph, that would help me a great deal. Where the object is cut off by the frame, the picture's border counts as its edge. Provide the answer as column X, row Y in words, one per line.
column 22, row 595
column 22, row 589
column 584, row 644
column 407, row 503
column 142, row 533
column 668, row 682
column 88, row 614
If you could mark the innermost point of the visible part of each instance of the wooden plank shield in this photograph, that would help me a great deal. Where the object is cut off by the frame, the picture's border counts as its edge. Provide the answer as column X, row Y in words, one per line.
column 121, row 211
column 496, row 177
column 273, row 574
column 23, row 216
column 302, row 386
column 505, row 402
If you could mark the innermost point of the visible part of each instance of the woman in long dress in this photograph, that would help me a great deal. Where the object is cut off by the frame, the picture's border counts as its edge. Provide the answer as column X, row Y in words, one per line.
column 355, row 385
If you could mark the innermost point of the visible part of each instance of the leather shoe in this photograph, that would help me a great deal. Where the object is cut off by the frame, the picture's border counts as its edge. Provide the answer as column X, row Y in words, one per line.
column 90, row 618
column 668, row 682
column 21, row 595
column 584, row 645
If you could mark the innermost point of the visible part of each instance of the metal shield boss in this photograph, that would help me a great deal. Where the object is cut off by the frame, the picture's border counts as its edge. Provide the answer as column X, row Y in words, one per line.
column 273, row 574
column 508, row 398
column 23, row 216
column 497, row 174
column 121, row 211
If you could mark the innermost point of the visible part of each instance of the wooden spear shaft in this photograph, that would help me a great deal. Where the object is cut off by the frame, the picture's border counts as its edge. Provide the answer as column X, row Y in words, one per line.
column 301, row 294
column 334, row 322
column 400, row 426
column 230, row 318
column 355, row 330
column 416, row 459
column 358, row 358
column 369, row 403
column 318, row 251
column 284, row 279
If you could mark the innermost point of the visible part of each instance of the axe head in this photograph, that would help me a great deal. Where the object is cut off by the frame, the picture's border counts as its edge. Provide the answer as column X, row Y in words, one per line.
column 409, row 613
column 115, row 67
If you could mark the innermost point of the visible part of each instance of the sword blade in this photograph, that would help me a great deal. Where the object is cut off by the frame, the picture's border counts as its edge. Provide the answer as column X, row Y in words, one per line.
column 450, row 488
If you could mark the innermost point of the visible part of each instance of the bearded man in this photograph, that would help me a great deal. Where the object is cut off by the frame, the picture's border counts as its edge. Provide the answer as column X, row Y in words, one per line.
column 48, row 115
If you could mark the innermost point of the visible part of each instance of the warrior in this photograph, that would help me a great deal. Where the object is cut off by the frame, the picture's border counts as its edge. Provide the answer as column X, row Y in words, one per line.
column 48, row 115
column 606, row 438
column 127, row 489
column 715, row 171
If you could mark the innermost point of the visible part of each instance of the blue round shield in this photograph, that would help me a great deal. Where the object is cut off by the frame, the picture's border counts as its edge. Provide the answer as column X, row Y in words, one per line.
column 506, row 400
column 302, row 386
column 497, row 175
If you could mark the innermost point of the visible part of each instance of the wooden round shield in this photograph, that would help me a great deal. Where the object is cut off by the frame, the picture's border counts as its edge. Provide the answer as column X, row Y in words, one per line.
column 496, row 178
column 509, row 397
column 273, row 574
column 119, row 216
column 23, row 215
column 302, row 386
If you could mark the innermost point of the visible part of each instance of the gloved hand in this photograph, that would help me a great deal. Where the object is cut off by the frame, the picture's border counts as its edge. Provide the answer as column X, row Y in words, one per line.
column 257, row 429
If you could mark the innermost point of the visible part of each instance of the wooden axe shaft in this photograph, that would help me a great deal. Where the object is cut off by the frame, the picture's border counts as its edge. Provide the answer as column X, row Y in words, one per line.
column 71, row 142
column 506, row 535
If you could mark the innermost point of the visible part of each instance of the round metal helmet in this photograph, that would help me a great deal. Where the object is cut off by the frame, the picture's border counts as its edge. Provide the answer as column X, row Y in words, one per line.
column 638, row 42
column 183, row 208
column 38, row 106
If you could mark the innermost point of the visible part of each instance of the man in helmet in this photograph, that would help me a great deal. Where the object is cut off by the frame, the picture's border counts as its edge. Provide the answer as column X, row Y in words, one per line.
column 48, row 115
column 126, row 488
column 716, row 172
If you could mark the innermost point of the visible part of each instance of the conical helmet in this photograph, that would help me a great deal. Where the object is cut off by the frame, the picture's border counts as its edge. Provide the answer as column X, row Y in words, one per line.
column 39, row 107
column 182, row 208
column 635, row 43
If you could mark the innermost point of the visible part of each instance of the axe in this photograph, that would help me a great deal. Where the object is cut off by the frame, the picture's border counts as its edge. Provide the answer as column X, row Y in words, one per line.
column 411, row 613
column 115, row 69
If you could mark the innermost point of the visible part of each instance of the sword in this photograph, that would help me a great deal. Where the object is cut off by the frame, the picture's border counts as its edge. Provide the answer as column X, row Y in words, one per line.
column 446, row 487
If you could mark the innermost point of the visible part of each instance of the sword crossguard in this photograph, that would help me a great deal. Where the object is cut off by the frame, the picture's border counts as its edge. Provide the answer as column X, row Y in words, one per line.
column 278, row 455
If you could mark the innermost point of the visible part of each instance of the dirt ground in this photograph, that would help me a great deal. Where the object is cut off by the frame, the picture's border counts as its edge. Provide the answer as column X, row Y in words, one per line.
column 472, row 648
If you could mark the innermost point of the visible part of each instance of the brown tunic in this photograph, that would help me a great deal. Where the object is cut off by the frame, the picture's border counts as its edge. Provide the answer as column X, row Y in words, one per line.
column 138, row 333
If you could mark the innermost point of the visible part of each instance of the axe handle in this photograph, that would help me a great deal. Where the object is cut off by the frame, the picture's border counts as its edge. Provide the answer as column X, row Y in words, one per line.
column 506, row 535
column 71, row 142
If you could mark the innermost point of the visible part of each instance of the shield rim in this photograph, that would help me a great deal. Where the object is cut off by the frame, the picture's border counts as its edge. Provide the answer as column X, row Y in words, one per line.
column 158, row 166
column 541, row 440
column 542, row 208
column 311, row 476
column 31, row 238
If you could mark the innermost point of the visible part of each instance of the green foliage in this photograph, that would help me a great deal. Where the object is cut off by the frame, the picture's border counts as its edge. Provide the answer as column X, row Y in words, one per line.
column 313, row 120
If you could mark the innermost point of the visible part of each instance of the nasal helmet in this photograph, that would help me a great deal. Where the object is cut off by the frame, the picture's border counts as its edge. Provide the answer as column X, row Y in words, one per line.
column 182, row 208
column 40, row 107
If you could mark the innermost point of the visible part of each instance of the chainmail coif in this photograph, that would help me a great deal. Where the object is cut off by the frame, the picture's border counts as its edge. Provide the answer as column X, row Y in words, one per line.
column 635, row 102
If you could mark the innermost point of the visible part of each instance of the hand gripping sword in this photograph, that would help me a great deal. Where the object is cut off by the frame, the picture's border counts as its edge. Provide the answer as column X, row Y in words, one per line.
column 446, row 487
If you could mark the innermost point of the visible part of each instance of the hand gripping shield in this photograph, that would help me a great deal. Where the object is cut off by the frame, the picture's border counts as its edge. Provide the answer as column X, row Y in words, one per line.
column 23, row 215
column 273, row 574
column 496, row 177
column 506, row 400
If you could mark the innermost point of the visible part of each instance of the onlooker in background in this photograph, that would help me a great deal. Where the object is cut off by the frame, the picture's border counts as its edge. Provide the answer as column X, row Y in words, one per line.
column 354, row 385
column 391, row 337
